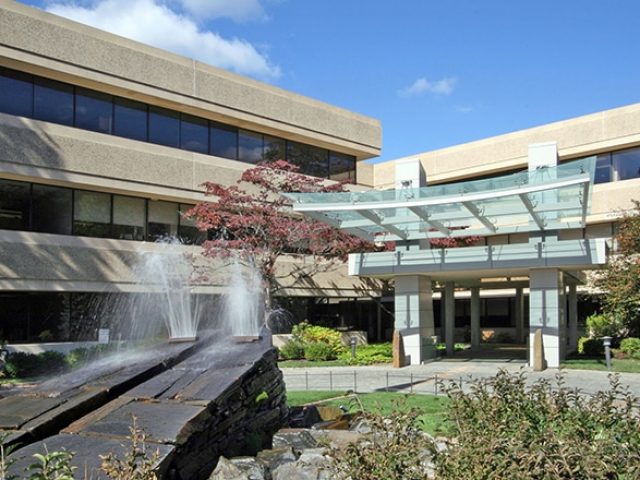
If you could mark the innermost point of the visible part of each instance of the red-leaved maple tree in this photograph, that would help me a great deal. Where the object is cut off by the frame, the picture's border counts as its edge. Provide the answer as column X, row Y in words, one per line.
column 253, row 222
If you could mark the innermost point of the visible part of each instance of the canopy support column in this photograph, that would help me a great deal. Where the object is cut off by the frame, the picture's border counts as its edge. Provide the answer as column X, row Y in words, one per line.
column 573, row 318
column 547, row 313
column 519, row 315
column 475, row 317
column 449, row 316
column 414, row 319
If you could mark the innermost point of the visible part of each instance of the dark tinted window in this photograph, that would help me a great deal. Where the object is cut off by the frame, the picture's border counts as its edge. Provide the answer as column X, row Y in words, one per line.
column 249, row 146
column 163, row 220
column 130, row 119
column 274, row 149
column 91, row 214
column 188, row 232
column 224, row 141
column 627, row 163
column 341, row 166
column 16, row 93
column 14, row 205
column 311, row 160
column 194, row 134
column 94, row 111
column 51, row 209
column 603, row 168
column 128, row 218
column 164, row 127
column 53, row 101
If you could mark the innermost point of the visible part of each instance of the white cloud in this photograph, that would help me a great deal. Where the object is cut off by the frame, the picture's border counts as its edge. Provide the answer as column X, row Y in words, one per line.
column 154, row 23
column 422, row 86
column 238, row 10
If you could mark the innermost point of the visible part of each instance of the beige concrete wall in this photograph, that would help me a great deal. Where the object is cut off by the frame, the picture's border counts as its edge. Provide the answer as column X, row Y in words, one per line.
column 46, row 262
column 41, row 43
column 577, row 137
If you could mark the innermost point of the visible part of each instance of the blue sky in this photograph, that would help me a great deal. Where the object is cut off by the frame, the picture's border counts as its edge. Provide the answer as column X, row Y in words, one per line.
column 435, row 73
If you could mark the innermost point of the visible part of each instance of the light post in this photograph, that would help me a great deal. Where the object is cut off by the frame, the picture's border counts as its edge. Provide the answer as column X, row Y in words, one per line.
column 606, row 341
column 353, row 341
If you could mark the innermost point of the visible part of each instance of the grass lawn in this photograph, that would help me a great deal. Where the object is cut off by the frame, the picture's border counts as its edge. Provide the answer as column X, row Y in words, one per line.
column 627, row 365
column 433, row 408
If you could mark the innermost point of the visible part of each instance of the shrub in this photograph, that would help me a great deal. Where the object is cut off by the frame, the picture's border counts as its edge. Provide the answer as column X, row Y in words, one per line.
column 78, row 357
column 307, row 334
column 52, row 466
column 369, row 354
column 591, row 347
column 319, row 351
column 395, row 449
column 292, row 350
column 504, row 429
column 604, row 325
column 21, row 364
column 631, row 347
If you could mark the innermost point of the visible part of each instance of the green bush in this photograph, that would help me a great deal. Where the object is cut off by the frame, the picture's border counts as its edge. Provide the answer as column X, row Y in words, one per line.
column 591, row 347
column 604, row 325
column 292, row 350
column 308, row 334
column 369, row 354
column 502, row 428
column 631, row 347
column 319, row 351
column 22, row 365
column 78, row 357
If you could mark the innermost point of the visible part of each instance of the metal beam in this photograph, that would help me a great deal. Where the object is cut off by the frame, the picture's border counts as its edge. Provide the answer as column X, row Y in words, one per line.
column 425, row 216
column 475, row 211
column 532, row 211
column 377, row 219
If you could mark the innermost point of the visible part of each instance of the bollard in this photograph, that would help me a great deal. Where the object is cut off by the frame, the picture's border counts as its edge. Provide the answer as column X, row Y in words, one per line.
column 606, row 341
column 353, row 341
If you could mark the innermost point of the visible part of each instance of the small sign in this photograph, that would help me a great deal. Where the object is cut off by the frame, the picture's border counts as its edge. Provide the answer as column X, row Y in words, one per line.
column 103, row 336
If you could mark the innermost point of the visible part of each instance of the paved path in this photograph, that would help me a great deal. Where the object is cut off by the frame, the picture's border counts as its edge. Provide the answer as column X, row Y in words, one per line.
column 423, row 378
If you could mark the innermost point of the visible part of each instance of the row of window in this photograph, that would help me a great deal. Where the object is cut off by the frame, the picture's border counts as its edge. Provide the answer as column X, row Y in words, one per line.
column 620, row 165
column 36, row 97
column 66, row 211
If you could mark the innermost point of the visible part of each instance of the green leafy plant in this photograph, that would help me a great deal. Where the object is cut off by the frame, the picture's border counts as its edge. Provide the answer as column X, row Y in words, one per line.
column 136, row 464
column 395, row 449
column 52, row 466
column 5, row 462
column 292, row 350
column 21, row 364
column 319, row 351
column 262, row 396
column 502, row 428
column 369, row 354
column 590, row 347
column 631, row 347
column 604, row 325
column 307, row 334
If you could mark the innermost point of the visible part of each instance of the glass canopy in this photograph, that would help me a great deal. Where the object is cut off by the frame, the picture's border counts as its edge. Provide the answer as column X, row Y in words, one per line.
column 547, row 198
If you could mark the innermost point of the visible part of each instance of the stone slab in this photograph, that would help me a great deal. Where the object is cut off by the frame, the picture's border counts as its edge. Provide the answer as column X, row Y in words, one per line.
column 212, row 384
column 17, row 410
column 162, row 422
column 86, row 450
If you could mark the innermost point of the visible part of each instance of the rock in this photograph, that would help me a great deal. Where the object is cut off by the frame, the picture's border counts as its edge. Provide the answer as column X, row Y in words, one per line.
column 251, row 467
column 329, row 413
column 312, row 465
column 337, row 438
column 296, row 438
column 226, row 470
column 272, row 459
column 304, row 417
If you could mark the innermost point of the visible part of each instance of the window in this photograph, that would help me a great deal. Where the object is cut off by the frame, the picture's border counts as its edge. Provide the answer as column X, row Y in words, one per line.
column 274, row 149
column 311, row 160
column 14, row 205
column 341, row 166
column 53, row 101
column 224, row 141
column 188, row 232
column 52, row 209
column 130, row 119
column 603, row 168
column 163, row 220
column 194, row 134
column 16, row 93
column 92, row 214
column 249, row 147
column 128, row 218
column 627, row 164
column 94, row 111
column 164, row 127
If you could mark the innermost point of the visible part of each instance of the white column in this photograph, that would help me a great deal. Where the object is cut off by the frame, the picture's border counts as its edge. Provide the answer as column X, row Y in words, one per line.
column 547, row 313
column 475, row 317
column 449, row 316
column 573, row 318
column 414, row 317
column 519, row 315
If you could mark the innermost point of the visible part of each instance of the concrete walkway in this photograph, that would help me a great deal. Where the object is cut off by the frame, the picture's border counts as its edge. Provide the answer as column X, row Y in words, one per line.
column 425, row 378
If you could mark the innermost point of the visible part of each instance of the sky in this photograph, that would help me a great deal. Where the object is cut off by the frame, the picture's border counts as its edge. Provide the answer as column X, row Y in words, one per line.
column 434, row 73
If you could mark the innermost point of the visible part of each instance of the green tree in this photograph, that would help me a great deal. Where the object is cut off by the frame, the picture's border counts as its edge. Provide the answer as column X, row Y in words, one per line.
column 620, row 280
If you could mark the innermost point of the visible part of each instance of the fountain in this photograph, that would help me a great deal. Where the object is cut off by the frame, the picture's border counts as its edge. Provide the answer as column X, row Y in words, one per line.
column 243, row 303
